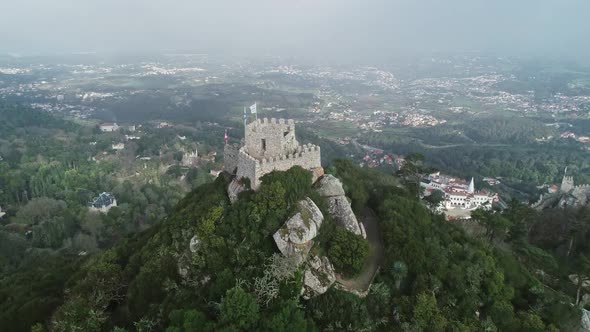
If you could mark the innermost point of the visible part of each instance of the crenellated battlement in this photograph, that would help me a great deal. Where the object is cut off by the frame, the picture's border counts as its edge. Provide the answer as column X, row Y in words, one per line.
column 301, row 152
column 272, row 121
column 270, row 137
column 582, row 188
column 538, row 202
column 579, row 193
column 271, row 145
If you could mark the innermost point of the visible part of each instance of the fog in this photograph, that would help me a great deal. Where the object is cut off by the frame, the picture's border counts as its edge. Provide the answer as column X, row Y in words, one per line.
column 325, row 29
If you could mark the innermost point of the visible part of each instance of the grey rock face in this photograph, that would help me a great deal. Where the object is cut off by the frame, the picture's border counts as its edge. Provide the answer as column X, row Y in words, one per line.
column 234, row 189
column 363, row 232
column 329, row 186
column 295, row 238
column 194, row 244
column 585, row 321
column 318, row 277
column 342, row 213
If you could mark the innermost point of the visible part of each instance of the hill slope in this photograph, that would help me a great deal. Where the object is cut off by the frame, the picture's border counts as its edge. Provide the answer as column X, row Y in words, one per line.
column 203, row 268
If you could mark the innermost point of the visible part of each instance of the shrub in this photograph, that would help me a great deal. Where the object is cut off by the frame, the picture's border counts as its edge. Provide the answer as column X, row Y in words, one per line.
column 347, row 252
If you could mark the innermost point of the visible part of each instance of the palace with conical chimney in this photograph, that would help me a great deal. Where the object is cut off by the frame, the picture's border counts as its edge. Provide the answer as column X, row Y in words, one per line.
column 269, row 145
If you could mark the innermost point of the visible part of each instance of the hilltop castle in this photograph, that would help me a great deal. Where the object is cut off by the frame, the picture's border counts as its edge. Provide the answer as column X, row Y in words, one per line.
column 269, row 145
column 567, row 195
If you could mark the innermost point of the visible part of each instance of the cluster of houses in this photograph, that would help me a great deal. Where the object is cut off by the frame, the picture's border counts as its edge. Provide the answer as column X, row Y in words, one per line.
column 458, row 194
column 376, row 158
column 109, row 127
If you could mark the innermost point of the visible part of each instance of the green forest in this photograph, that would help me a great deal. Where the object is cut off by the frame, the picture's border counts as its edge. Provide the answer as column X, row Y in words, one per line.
column 133, row 269
column 491, row 147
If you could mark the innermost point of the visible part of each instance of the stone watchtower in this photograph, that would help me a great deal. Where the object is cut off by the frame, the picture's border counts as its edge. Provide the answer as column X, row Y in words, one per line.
column 267, row 139
column 567, row 183
column 269, row 145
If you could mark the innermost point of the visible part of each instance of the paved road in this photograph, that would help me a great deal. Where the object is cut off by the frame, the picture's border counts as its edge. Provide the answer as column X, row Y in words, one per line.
column 361, row 282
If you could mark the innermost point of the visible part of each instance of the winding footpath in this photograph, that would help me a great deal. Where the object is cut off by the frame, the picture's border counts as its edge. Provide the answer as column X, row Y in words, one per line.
column 362, row 282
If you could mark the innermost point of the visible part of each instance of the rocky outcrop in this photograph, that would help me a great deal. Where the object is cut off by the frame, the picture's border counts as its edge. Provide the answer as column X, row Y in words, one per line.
column 341, row 211
column 331, row 188
column 316, row 173
column 295, row 237
column 585, row 321
column 363, row 232
column 318, row 277
column 234, row 189
column 194, row 244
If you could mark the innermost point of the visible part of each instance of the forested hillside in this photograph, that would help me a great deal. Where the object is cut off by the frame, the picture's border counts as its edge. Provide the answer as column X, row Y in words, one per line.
column 491, row 147
column 434, row 277
column 152, row 264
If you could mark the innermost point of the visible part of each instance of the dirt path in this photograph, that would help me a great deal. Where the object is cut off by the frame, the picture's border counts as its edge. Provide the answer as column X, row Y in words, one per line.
column 360, row 284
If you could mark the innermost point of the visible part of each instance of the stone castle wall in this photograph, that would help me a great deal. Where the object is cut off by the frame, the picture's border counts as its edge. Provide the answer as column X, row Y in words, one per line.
column 307, row 156
column 567, row 184
column 582, row 187
column 270, row 138
column 230, row 157
column 579, row 192
column 270, row 144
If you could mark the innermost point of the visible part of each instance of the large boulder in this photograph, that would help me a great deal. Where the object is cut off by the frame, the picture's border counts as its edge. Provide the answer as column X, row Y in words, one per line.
column 329, row 186
column 585, row 320
column 194, row 244
column 318, row 277
column 363, row 231
column 234, row 189
column 295, row 237
column 342, row 213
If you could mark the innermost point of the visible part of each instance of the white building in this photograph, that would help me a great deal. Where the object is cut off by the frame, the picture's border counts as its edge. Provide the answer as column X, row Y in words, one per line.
column 118, row 146
column 108, row 127
column 190, row 159
column 469, row 201
column 458, row 193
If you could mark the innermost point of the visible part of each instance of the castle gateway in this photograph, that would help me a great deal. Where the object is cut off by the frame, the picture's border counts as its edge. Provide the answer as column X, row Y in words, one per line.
column 270, row 145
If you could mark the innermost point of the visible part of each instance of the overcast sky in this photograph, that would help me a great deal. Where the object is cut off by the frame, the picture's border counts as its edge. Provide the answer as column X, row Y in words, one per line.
column 320, row 28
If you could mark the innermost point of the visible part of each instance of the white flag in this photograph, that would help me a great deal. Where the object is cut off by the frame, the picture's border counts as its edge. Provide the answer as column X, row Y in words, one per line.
column 253, row 109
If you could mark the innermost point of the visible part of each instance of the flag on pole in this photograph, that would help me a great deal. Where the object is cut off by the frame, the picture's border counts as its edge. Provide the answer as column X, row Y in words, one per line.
column 226, row 138
column 253, row 109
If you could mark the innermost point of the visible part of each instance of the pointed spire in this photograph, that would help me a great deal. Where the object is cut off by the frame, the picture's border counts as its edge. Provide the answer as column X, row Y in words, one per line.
column 471, row 188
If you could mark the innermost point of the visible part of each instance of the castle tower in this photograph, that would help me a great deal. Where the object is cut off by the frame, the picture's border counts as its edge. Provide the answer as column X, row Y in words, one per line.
column 567, row 183
column 270, row 138
column 269, row 145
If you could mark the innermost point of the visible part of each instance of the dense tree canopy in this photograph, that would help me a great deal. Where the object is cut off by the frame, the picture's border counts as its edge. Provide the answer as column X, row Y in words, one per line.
column 160, row 263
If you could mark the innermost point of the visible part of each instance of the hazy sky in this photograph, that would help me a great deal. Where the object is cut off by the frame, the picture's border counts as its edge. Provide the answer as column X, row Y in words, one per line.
column 316, row 28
